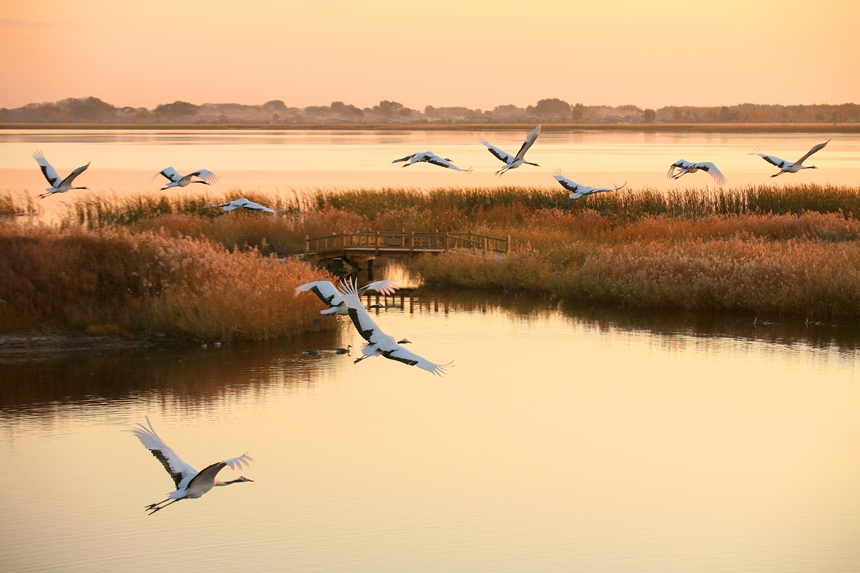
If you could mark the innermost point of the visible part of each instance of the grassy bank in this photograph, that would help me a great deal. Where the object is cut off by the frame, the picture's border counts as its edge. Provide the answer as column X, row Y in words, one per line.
column 116, row 281
column 767, row 250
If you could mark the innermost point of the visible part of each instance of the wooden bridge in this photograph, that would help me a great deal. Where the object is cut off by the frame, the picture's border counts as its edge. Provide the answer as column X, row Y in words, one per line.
column 358, row 246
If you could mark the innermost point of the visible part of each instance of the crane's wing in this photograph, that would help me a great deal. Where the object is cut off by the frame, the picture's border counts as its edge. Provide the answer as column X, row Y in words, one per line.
column 396, row 352
column 326, row 291
column 818, row 147
column 571, row 186
column 47, row 170
column 365, row 325
column 407, row 158
column 256, row 207
column 712, row 171
column 174, row 465
column 680, row 164
column 436, row 160
column 530, row 140
column 209, row 472
column 71, row 177
column 775, row 161
column 171, row 174
column 205, row 175
column 386, row 287
column 502, row 156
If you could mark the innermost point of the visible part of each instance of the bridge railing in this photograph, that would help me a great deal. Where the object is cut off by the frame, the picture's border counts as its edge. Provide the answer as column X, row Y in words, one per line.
column 406, row 242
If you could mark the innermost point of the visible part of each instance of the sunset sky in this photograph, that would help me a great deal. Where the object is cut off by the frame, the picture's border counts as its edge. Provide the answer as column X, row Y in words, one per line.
column 478, row 53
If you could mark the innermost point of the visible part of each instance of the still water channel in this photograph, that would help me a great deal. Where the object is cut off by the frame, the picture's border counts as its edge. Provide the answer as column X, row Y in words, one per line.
column 562, row 439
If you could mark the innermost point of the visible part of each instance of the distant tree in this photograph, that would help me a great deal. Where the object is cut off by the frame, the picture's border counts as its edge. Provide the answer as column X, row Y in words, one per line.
column 649, row 115
column 178, row 109
column 90, row 109
column 552, row 108
column 577, row 112
column 275, row 106
column 389, row 109
column 142, row 115
column 786, row 114
column 677, row 114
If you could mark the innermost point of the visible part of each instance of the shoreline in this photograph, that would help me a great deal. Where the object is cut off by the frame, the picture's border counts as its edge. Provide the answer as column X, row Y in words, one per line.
column 551, row 127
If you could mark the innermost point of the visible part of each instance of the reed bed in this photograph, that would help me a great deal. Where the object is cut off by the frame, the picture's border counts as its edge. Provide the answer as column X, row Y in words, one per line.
column 792, row 249
column 115, row 281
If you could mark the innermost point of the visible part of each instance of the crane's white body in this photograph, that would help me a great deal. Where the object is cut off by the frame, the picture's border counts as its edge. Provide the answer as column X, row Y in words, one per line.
column 378, row 343
column 682, row 167
column 244, row 204
column 57, row 185
column 329, row 294
column 204, row 176
column 431, row 158
column 513, row 161
column 577, row 190
column 787, row 166
column 190, row 484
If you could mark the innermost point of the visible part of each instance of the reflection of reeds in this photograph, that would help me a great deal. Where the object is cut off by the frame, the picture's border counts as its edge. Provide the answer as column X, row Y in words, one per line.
column 115, row 281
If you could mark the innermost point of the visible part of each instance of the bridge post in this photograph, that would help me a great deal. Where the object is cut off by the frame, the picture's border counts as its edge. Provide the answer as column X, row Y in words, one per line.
column 508, row 246
column 307, row 244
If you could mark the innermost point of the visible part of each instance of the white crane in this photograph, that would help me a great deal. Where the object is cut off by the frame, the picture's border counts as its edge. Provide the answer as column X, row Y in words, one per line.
column 379, row 343
column 190, row 484
column 685, row 167
column 57, row 185
column 432, row 159
column 577, row 190
column 329, row 294
column 244, row 204
column 787, row 166
column 204, row 176
column 511, row 161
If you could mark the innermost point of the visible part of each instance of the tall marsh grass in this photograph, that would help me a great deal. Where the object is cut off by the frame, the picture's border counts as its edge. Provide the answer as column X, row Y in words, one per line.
column 116, row 281
column 791, row 249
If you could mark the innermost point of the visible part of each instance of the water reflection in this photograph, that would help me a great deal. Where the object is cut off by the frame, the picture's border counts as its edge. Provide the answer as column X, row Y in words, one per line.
column 191, row 377
column 187, row 376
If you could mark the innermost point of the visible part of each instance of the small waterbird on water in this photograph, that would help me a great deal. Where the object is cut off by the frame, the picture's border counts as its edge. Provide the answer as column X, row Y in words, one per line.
column 685, row 167
column 329, row 294
column 378, row 343
column 812, row 323
column 57, row 185
column 757, row 322
column 513, row 161
column 577, row 190
column 204, row 176
column 190, row 484
column 432, row 159
column 244, row 204
column 787, row 166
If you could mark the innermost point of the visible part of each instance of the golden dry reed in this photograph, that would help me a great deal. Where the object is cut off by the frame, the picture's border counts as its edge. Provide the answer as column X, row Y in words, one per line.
column 114, row 281
column 791, row 249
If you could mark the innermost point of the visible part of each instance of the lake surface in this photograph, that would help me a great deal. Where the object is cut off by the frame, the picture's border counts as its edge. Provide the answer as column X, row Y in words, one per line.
column 295, row 161
column 561, row 439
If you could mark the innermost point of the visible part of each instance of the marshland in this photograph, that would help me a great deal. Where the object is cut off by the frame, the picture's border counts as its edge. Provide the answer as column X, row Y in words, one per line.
column 607, row 389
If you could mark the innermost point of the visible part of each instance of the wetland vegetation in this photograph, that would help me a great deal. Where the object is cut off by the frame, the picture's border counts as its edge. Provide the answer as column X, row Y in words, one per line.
column 165, row 262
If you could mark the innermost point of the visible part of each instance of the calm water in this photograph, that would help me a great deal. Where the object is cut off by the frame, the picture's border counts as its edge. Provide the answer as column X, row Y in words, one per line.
column 561, row 440
column 293, row 161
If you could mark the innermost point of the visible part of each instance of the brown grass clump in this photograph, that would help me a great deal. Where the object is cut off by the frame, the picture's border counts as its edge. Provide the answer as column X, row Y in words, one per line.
column 116, row 281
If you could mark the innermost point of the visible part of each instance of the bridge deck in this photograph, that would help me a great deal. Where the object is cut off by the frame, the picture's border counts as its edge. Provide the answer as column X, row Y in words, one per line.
column 403, row 243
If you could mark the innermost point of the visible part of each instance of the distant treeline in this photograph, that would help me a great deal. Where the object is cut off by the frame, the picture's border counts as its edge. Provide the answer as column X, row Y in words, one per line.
column 94, row 110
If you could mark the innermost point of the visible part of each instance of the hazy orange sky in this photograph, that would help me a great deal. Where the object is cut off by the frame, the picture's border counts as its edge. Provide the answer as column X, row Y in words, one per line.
column 472, row 53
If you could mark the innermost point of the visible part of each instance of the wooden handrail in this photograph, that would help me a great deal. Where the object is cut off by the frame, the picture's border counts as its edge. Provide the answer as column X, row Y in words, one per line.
column 380, row 242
